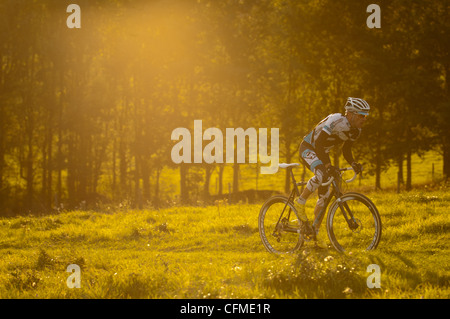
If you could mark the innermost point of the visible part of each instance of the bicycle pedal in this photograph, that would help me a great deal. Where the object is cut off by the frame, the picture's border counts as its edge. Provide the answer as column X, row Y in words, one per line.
column 307, row 232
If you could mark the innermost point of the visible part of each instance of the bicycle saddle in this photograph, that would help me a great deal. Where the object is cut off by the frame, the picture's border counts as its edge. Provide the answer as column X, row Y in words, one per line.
column 285, row 165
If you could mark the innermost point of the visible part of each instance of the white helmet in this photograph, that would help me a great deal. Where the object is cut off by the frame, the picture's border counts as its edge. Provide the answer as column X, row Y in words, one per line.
column 357, row 105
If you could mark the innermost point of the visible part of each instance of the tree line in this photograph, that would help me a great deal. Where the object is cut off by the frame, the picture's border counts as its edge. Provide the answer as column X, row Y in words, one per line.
column 87, row 114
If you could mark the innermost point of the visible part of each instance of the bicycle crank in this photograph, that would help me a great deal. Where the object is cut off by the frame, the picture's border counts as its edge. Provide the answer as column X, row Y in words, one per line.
column 307, row 231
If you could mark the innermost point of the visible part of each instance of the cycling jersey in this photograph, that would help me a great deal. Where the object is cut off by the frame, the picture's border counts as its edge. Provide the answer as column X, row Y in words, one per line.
column 328, row 133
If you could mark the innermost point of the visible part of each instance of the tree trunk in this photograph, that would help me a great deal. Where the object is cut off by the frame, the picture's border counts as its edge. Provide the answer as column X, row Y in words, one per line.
column 408, row 161
column 287, row 176
column 113, row 169
column 2, row 164
column 184, row 192
column 400, row 180
column 378, row 156
column 235, row 178
column 156, row 200
column 221, row 169
column 58, row 195
column 408, row 171
column 208, row 172
column 378, row 166
column 257, row 176
column 29, row 170
column 145, row 181
column 50, row 167
column 71, row 189
column 59, row 156
column 122, row 170
column 47, row 166
column 137, row 183
column 446, row 158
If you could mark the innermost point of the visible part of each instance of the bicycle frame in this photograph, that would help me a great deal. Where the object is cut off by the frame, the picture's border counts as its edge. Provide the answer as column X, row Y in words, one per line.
column 294, row 192
column 335, row 192
column 280, row 228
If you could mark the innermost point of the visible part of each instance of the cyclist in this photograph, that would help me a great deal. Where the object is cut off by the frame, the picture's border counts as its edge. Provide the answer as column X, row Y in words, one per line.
column 333, row 130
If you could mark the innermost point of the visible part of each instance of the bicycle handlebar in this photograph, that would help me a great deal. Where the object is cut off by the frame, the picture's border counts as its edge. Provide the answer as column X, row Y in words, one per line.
column 284, row 165
column 342, row 170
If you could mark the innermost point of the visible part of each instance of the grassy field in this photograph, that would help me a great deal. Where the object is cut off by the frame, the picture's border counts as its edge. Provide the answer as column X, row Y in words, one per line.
column 215, row 252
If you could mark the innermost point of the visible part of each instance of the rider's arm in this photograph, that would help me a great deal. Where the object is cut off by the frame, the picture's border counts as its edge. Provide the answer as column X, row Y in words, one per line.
column 320, row 149
column 347, row 151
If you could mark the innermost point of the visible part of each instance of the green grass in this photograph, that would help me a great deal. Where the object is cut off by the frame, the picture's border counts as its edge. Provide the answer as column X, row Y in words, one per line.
column 215, row 252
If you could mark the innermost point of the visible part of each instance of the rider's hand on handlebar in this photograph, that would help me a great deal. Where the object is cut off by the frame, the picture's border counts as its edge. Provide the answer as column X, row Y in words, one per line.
column 332, row 171
column 357, row 167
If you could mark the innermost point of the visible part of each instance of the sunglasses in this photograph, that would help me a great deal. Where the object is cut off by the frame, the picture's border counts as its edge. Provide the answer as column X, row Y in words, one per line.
column 361, row 116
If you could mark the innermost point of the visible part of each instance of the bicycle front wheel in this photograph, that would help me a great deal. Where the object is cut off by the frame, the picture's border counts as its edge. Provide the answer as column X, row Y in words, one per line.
column 279, row 226
column 354, row 223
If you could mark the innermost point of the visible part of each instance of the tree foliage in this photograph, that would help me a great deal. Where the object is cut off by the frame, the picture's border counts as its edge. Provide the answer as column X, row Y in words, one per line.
column 87, row 114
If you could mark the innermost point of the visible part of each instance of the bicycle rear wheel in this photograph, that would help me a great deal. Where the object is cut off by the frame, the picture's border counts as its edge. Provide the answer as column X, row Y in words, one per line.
column 354, row 223
column 279, row 226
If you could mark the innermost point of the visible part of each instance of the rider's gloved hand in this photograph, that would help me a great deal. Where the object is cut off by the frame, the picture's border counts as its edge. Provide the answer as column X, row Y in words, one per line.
column 357, row 167
column 332, row 171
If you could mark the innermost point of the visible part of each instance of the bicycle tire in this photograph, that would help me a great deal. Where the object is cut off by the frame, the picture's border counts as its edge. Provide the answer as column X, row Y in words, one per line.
column 367, row 233
column 276, row 240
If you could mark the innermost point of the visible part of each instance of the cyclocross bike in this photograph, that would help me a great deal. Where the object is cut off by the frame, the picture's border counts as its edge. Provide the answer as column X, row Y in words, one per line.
column 353, row 221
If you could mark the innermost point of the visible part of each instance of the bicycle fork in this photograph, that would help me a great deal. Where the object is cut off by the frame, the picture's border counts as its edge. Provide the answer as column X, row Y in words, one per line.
column 346, row 211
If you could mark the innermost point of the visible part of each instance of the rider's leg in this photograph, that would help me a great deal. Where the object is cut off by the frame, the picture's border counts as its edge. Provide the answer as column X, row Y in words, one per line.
column 310, row 159
column 323, row 195
column 323, row 192
column 313, row 184
column 305, row 194
column 300, row 202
